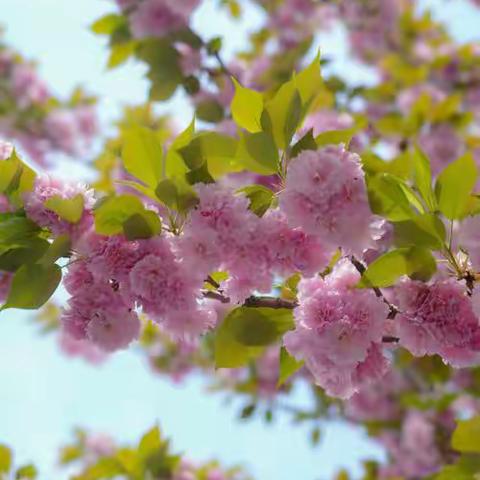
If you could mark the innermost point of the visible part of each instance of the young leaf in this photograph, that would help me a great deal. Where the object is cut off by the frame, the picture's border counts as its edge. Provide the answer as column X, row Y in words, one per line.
column 245, row 332
column 307, row 142
column 425, row 230
column 466, row 437
column 143, row 155
column 423, row 177
column 288, row 366
column 247, row 107
column 69, row 209
column 260, row 197
column 112, row 214
column 454, row 186
column 107, row 24
column 142, row 225
column 32, row 286
column 5, row 459
column 262, row 148
column 416, row 262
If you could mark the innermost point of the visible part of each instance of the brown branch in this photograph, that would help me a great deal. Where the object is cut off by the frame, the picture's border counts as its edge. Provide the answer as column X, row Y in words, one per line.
column 271, row 302
column 393, row 310
column 254, row 301
column 390, row 339
column 212, row 282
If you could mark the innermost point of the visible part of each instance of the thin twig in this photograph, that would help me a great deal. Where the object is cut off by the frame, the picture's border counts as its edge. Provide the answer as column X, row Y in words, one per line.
column 393, row 310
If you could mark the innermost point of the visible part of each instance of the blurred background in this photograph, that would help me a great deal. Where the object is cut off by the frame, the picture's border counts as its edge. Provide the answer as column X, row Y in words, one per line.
column 43, row 394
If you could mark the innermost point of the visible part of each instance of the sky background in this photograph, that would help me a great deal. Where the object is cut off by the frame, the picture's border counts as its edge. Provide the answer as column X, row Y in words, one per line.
column 44, row 395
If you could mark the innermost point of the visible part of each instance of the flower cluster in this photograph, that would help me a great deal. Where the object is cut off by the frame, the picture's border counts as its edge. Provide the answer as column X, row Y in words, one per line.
column 325, row 195
column 38, row 121
column 339, row 332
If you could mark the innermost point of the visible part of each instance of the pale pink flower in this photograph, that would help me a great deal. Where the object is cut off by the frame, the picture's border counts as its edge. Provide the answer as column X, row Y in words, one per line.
column 339, row 332
column 47, row 187
column 156, row 18
column 27, row 86
column 73, row 347
column 438, row 319
column 414, row 453
column 325, row 195
column 6, row 149
column 325, row 120
column 442, row 145
column 113, row 332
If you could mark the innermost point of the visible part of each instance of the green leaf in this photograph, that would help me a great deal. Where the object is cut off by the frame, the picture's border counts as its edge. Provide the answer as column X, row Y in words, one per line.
column 142, row 225
column 466, row 437
column 423, row 177
column 176, row 195
column 416, row 262
column 32, row 286
column 27, row 471
column 388, row 197
column 5, row 459
column 142, row 155
column 335, row 137
column 425, row 230
column 113, row 212
column 16, row 231
column 454, row 186
column 107, row 24
column 307, row 142
column 309, row 81
column 245, row 332
column 59, row 248
column 261, row 148
column 247, row 107
column 32, row 249
column 215, row 151
column 278, row 109
column 209, row 111
column 288, row 366
column 164, row 71
column 69, row 209
column 120, row 53
column 150, row 442
column 16, row 178
column 294, row 117
column 261, row 326
column 260, row 197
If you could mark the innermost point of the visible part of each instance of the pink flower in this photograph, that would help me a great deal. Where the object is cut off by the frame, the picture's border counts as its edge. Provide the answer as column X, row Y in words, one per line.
column 413, row 453
column 5, row 283
column 27, row 87
column 438, row 319
column 325, row 195
column 169, row 293
column 80, row 348
column 6, row 149
column 339, row 332
column 325, row 120
column 113, row 332
column 468, row 238
column 46, row 188
column 97, row 312
column 156, row 18
column 442, row 145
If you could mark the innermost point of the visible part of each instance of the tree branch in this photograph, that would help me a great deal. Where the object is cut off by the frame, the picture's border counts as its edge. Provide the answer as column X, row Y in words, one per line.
column 393, row 310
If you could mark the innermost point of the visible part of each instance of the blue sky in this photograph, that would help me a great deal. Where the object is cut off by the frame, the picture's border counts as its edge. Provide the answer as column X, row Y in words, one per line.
column 44, row 395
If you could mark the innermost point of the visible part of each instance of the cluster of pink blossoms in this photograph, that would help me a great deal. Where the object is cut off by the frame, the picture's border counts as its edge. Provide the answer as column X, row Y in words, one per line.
column 325, row 195
column 439, row 319
column 157, row 18
column 223, row 234
column 35, row 119
column 339, row 332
